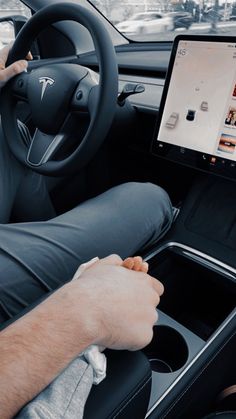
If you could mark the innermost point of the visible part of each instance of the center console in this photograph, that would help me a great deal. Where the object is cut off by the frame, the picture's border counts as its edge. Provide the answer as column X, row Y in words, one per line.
column 197, row 306
column 196, row 262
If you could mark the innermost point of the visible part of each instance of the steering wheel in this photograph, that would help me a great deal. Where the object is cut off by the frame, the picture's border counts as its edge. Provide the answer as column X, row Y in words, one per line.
column 61, row 97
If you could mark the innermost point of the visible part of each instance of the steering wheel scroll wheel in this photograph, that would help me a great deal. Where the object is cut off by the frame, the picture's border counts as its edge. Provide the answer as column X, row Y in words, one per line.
column 60, row 96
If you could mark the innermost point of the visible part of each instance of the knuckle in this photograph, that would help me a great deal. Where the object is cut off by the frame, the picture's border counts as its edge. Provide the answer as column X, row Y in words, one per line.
column 146, row 278
column 18, row 67
column 157, row 299
column 161, row 287
column 142, row 343
column 148, row 337
column 154, row 317
column 138, row 259
column 158, row 286
column 14, row 69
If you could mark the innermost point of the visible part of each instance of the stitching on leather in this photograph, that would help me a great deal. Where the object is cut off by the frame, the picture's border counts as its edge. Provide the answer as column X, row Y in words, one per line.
column 130, row 399
column 197, row 377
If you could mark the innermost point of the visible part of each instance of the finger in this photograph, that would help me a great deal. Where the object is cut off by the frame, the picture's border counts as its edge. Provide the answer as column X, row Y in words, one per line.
column 4, row 53
column 29, row 56
column 145, row 267
column 137, row 263
column 157, row 285
column 128, row 263
column 11, row 71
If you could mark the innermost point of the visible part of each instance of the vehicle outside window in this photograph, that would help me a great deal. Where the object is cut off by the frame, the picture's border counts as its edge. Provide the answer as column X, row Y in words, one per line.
column 146, row 23
column 153, row 20
column 10, row 8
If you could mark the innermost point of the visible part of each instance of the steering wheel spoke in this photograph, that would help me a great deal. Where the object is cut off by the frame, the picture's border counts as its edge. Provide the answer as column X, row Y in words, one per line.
column 43, row 147
column 81, row 102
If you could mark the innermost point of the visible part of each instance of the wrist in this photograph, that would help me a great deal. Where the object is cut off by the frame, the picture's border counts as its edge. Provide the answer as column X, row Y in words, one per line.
column 87, row 313
column 79, row 318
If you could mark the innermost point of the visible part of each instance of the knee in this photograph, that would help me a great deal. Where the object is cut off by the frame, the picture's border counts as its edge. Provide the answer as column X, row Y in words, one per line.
column 150, row 191
column 149, row 194
column 150, row 200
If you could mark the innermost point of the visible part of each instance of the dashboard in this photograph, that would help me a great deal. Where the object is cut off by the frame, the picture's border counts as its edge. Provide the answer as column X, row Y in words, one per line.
column 195, row 109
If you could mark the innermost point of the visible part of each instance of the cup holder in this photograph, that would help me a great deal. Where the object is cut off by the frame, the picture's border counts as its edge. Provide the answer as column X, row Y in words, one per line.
column 167, row 351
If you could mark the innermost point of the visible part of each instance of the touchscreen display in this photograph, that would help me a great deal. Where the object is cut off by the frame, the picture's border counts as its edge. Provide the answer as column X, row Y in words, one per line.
column 198, row 111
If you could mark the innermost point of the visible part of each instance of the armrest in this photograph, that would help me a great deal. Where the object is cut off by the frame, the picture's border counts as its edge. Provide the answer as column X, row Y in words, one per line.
column 125, row 392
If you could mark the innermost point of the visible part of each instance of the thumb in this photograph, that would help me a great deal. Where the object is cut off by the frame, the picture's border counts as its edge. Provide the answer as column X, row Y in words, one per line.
column 11, row 71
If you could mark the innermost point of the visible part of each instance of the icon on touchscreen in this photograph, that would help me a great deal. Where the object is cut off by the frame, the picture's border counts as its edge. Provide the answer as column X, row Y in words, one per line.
column 190, row 115
column 231, row 117
column 204, row 105
column 227, row 143
column 172, row 120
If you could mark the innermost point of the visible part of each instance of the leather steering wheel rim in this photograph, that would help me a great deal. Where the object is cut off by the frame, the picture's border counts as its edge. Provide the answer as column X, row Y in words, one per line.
column 104, row 97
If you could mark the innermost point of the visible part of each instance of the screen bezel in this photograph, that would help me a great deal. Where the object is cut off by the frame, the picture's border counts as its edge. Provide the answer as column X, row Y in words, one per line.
column 200, row 167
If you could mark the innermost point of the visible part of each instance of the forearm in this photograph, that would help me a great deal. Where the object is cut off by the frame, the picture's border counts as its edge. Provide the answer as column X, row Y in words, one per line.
column 35, row 349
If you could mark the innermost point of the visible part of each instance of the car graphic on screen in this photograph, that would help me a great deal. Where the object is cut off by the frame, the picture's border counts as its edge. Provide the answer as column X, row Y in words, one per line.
column 172, row 120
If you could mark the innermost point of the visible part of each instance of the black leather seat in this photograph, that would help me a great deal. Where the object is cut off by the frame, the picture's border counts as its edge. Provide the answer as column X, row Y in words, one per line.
column 125, row 392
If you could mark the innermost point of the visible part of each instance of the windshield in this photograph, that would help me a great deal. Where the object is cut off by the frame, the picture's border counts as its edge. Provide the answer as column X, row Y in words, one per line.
column 143, row 16
column 153, row 20
column 13, row 7
column 10, row 8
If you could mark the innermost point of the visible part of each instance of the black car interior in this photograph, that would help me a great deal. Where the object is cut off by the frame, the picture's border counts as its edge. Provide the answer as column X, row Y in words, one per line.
column 191, row 358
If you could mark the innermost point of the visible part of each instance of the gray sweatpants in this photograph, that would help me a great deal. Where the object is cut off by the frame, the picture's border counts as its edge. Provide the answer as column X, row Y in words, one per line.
column 65, row 397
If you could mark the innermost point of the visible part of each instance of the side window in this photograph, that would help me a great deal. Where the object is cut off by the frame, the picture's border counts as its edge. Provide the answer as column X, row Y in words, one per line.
column 10, row 8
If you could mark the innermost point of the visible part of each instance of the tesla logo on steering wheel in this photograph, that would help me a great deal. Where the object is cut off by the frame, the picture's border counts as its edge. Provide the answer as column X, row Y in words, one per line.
column 46, row 81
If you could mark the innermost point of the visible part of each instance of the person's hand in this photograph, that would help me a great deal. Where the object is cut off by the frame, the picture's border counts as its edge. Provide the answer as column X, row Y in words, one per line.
column 6, row 73
column 119, row 304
